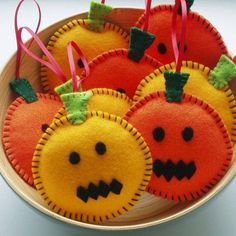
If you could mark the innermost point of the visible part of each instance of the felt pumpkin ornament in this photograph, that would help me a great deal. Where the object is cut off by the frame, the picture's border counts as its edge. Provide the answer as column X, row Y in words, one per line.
column 189, row 143
column 200, row 84
column 203, row 83
column 106, row 100
column 204, row 43
column 190, row 146
column 94, row 36
column 122, row 69
column 26, row 119
column 102, row 178
column 102, row 99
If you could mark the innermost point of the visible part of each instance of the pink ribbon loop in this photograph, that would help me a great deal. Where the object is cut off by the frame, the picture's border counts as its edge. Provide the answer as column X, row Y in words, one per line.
column 103, row 1
column 52, row 64
column 19, row 52
column 179, row 52
column 147, row 14
column 75, row 82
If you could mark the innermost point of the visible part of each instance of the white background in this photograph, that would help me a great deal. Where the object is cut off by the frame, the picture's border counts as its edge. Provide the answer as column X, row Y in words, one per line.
column 217, row 218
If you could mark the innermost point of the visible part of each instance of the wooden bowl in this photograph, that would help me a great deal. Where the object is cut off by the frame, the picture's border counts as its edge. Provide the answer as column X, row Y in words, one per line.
column 150, row 210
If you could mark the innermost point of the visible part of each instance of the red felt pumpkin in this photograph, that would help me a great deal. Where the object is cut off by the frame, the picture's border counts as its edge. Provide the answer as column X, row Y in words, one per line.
column 189, row 143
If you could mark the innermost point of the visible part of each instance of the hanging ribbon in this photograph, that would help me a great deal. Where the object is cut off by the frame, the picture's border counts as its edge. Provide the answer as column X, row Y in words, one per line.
column 147, row 14
column 75, row 82
column 179, row 51
column 17, row 34
column 52, row 64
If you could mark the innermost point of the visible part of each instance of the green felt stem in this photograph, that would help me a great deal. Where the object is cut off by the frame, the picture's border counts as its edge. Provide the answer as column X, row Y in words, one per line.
column 65, row 88
column 76, row 106
column 223, row 73
column 139, row 42
column 97, row 14
column 175, row 83
column 24, row 89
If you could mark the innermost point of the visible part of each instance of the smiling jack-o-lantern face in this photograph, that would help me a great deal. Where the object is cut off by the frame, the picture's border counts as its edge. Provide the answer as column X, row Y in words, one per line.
column 189, row 144
column 94, row 171
column 23, row 126
column 203, row 42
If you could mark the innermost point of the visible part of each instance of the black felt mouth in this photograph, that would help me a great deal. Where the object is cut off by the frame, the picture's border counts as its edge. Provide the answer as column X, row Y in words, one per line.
column 103, row 190
column 169, row 169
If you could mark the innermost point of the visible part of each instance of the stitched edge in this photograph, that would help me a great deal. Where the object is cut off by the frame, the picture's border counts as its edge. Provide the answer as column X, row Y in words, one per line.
column 118, row 52
column 6, row 136
column 220, row 125
column 83, row 217
column 206, row 71
column 64, row 29
column 99, row 91
column 193, row 16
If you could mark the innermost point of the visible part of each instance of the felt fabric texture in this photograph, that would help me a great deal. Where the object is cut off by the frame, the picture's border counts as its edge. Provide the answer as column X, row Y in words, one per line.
column 67, row 87
column 106, row 100
column 140, row 41
column 189, row 5
column 223, row 73
column 23, row 88
column 175, row 83
column 76, row 106
column 115, row 70
column 100, row 186
column 183, row 169
column 23, row 127
column 91, row 43
column 204, row 44
column 97, row 14
column 198, row 85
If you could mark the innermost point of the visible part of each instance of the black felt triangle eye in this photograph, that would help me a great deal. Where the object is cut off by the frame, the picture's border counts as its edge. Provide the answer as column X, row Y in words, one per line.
column 158, row 134
column 187, row 134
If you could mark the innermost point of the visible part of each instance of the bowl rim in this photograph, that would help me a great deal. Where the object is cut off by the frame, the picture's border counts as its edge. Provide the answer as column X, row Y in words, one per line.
column 218, row 188
column 202, row 201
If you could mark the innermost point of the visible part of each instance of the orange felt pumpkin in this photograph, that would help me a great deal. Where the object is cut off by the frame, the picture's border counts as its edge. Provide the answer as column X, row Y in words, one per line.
column 92, row 43
column 203, row 43
column 189, row 143
column 23, row 126
column 115, row 70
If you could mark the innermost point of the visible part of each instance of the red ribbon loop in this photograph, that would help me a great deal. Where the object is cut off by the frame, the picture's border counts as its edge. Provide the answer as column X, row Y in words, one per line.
column 75, row 82
column 179, row 52
column 147, row 14
column 52, row 64
column 19, row 52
